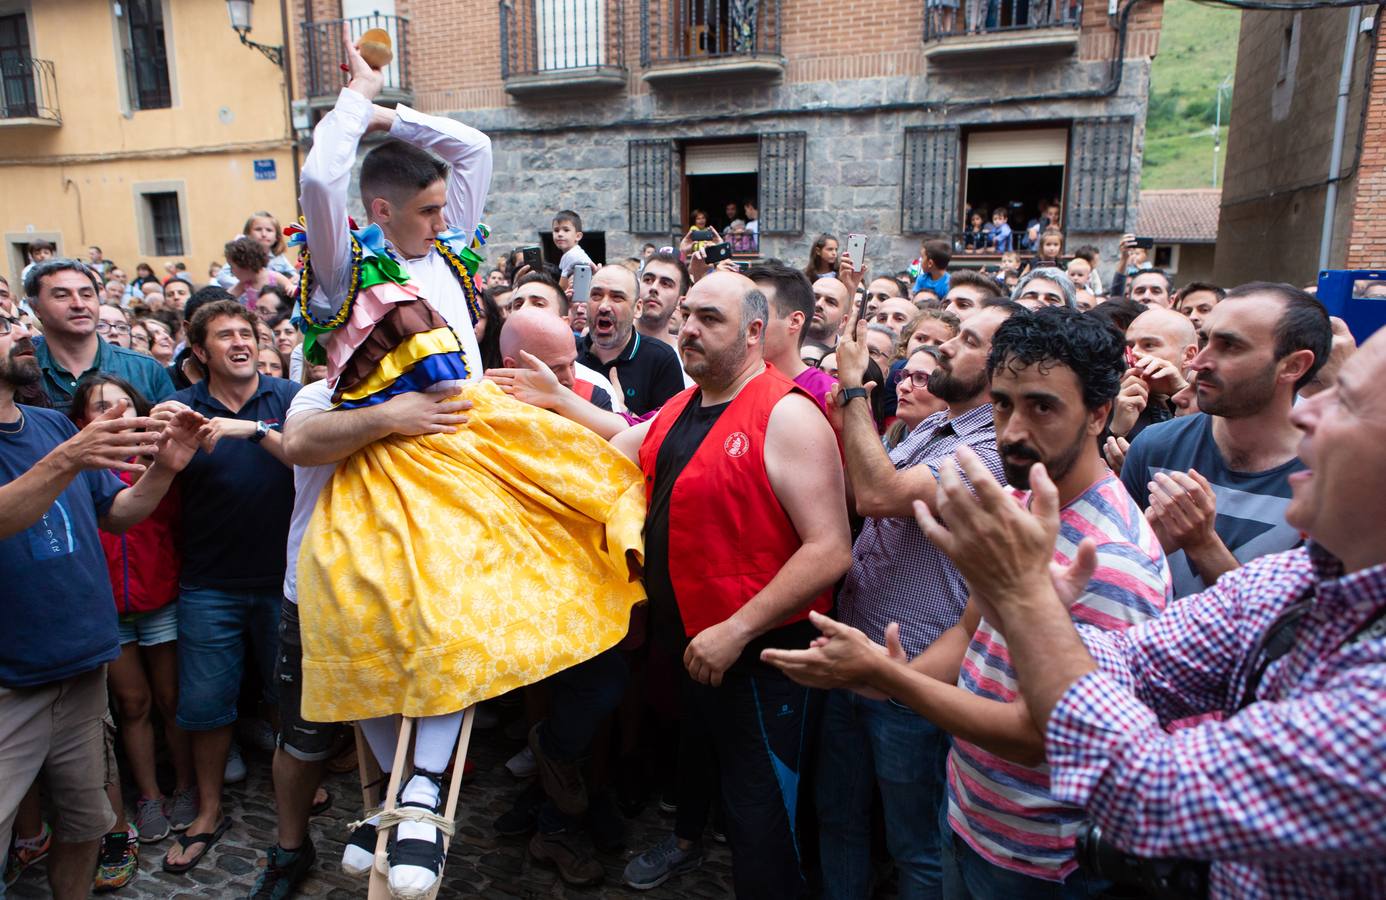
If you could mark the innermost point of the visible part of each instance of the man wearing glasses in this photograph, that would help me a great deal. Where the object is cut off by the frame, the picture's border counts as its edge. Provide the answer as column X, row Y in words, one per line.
column 64, row 295
column 898, row 575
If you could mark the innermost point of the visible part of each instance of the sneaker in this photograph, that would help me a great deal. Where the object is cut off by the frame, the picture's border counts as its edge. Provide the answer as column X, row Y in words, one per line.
column 358, row 856
column 117, row 862
column 150, row 822
column 24, row 852
column 560, row 850
column 284, row 871
column 235, row 765
column 656, row 865
column 182, row 809
column 562, row 780
column 522, row 764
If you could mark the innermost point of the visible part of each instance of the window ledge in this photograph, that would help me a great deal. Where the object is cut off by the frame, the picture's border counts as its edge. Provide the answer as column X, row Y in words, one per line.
column 26, row 121
column 388, row 97
column 697, row 71
column 564, row 82
column 1015, row 46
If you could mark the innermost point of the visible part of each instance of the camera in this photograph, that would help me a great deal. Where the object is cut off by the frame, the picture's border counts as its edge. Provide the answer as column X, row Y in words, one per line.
column 1174, row 879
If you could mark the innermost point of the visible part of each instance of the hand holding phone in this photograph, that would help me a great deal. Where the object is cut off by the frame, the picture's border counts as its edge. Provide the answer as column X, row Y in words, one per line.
column 856, row 248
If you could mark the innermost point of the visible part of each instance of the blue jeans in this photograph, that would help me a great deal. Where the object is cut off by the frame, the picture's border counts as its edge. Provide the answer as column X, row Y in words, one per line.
column 967, row 875
column 902, row 752
column 215, row 628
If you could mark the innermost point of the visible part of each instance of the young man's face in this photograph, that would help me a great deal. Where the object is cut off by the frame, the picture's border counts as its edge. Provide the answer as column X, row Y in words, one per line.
column 565, row 236
column 829, row 308
column 1040, row 417
column 231, row 351
column 535, row 294
column 1197, row 305
column 1150, row 288
column 659, row 293
column 412, row 224
column 176, row 293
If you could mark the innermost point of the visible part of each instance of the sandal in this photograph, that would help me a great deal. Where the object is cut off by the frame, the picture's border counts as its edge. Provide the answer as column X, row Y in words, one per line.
column 318, row 809
column 207, row 840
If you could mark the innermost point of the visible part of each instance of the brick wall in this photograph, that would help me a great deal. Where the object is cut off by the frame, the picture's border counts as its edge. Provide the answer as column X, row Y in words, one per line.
column 1367, row 232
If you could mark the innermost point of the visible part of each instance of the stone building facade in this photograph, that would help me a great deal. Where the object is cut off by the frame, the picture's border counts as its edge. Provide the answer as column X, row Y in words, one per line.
column 846, row 117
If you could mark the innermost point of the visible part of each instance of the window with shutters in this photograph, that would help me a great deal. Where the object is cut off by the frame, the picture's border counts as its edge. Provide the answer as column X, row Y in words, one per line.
column 782, row 174
column 1099, row 181
column 720, row 177
column 159, row 211
column 146, row 54
column 651, row 173
column 929, row 188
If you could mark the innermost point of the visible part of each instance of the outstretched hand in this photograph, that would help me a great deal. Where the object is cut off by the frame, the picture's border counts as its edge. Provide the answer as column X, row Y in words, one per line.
column 531, row 382
column 842, row 657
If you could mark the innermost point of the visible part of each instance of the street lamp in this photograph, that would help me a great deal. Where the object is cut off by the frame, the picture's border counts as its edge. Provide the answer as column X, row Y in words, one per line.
column 240, row 13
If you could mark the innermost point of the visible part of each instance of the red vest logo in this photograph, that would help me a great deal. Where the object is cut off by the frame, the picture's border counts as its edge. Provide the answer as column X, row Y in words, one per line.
column 736, row 444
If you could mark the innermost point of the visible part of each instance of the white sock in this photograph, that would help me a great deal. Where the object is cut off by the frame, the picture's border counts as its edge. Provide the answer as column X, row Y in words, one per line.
column 382, row 735
column 415, row 881
column 435, row 740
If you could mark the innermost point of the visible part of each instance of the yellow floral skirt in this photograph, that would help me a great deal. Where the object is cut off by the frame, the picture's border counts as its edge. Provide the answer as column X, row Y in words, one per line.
column 442, row 570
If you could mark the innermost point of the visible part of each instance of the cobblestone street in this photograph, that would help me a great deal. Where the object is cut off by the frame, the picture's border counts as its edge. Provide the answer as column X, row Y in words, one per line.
column 479, row 864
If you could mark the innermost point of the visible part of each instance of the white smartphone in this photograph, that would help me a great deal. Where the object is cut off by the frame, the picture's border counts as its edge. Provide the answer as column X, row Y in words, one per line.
column 582, row 282
column 856, row 248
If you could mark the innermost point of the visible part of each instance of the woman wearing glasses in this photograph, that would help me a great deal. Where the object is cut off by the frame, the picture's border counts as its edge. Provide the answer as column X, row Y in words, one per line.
column 113, row 325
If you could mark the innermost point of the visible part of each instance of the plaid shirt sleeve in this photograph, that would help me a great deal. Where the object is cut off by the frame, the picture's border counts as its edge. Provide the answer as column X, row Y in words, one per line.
column 1280, row 781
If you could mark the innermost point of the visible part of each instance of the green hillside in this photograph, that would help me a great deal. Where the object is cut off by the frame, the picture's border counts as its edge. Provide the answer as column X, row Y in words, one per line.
column 1198, row 50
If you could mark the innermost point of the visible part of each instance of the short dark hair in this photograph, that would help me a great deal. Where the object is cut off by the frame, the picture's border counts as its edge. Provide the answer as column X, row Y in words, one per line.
column 547, row 280
column 973, row 278
column 1303, row 324
column 88, row 383
column 793, row 291
column 1194, row 287
column 751, row 202
column 1061, row 335
column 202, row 319
column 1001, row 211
column 41, row 244
column 396, row 171
column 247, row 253
column 1088, row 253
column 939, row 252
column 1131, row 279
column 201, row 297
column 1117, row 313
column 42, row 270
column 1001, row 301
column 572, row 218
column 671, row 259
column 286, row 300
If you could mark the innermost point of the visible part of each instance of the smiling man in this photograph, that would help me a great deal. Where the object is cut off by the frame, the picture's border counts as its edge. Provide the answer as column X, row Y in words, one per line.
column 65, row 297
column 648, row 369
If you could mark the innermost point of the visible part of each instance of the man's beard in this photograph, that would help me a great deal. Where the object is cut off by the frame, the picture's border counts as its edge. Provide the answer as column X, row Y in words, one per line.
column 1239, row 400
column 20, row 371
column 715, row 370
column 1018, row 474
column 951, row 389
column 820, row 333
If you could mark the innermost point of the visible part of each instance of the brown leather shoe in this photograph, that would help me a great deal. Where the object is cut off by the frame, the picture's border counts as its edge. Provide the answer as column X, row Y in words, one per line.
column 562, row 780
column 561, row 851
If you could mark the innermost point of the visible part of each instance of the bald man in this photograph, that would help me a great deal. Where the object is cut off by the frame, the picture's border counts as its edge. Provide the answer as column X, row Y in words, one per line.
column 831, row 303
column 648, row 370
column 539, row 332
column 746, row 533
column 1162, row 344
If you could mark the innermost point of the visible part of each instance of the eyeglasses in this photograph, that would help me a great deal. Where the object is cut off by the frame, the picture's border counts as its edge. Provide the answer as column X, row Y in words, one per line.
column 811, row 362
column 108, row 327
column 7, row 324
column 877, row 353
column 915, row 379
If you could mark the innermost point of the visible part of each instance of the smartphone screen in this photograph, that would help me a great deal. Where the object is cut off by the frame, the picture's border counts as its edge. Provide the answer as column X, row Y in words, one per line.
column 856, row 248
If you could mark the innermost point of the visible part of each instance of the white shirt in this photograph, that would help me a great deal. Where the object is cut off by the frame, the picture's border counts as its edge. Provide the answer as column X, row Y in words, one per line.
column 308, row 483
column 574, row 256
column 326, row 178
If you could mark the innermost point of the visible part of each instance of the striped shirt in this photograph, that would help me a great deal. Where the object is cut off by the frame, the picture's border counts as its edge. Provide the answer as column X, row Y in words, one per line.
column 899, row 575
column 1003, row 810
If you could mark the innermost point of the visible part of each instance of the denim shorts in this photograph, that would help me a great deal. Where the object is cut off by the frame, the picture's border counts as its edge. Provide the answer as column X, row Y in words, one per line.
column 218, row 632
column 151, row 628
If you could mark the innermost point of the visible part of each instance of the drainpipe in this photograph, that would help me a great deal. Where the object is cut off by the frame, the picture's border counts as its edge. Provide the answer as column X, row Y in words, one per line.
column 1335, row 161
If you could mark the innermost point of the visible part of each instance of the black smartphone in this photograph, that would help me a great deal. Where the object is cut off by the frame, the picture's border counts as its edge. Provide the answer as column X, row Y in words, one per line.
column 701, row 234
column 715, row 253
column 1145, row 243
column 533, row 257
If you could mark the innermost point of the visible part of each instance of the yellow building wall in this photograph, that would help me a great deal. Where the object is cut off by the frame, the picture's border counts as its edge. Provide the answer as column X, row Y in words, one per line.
column 228, row 109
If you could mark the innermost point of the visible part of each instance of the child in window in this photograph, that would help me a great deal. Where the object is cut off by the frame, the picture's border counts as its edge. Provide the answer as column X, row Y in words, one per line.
column 1001, row 237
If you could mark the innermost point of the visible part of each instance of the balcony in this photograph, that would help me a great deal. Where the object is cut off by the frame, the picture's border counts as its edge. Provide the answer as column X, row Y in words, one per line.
column 324, row 56
column 987, row 31
column 28, row 92
column 557, row 48
column 686, row 42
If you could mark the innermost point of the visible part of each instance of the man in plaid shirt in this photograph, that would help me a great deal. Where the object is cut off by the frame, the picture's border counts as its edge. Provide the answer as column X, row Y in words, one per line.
column 1283, row 792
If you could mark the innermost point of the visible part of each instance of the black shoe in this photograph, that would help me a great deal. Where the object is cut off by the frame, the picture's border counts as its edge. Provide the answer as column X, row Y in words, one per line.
column 422, row 854
column 523, row 815
column 284, row 872
column 358, row 856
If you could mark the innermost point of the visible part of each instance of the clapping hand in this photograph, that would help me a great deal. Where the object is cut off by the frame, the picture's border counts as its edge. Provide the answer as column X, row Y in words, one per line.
column 111, row 439
column 841, row 657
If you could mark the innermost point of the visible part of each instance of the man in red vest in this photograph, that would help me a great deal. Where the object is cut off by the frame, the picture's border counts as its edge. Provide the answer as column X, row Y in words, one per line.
column 746, row 532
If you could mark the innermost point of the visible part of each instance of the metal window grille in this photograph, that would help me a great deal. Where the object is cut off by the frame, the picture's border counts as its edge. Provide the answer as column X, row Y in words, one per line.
column 146, row 60
column 781, row 187
column 166, row 223
column 651, row 186
column 929, row 188
column 1099, row 181
column 680, row 30
column 560, row 35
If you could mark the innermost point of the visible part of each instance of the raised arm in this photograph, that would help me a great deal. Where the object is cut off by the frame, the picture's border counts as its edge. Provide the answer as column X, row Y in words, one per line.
column 466, row 151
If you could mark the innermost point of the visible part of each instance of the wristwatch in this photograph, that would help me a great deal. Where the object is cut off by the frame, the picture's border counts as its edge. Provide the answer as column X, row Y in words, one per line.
column 261, row 429
column 850, row 394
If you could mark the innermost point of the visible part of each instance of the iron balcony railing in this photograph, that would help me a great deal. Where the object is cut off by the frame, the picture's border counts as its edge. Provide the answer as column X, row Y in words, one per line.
column 146, row 79
column 676, row 31
column 540, row 37
column 28, row 89
column 974, row 17
column 324, row 55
